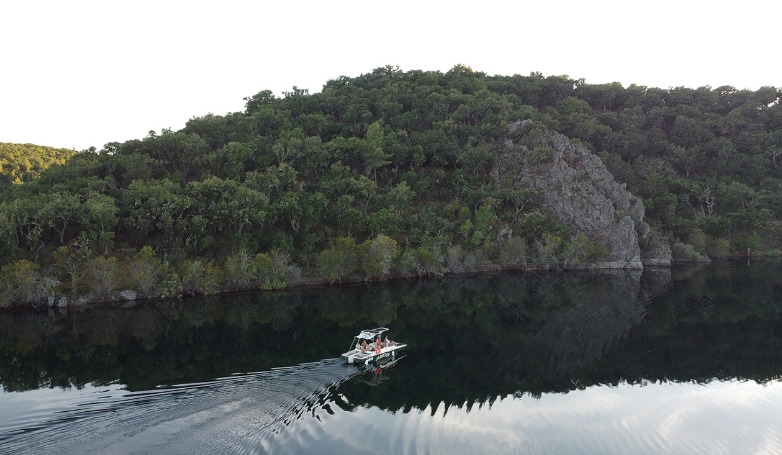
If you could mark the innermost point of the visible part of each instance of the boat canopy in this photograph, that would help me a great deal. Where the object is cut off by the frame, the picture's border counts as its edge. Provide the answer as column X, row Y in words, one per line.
column 371, row 334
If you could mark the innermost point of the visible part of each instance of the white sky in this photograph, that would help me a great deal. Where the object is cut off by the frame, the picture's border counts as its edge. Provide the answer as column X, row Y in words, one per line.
column 83, row 73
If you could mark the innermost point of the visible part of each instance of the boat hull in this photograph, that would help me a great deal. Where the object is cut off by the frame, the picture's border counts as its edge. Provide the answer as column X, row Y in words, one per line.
column 367, row 357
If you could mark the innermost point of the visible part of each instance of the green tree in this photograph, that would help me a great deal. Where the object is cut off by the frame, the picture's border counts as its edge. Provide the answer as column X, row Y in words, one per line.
column 23, row 282
column 145, row 271
column 103, row 276
column 238, row 269
column 99, row 217
column 60, row 210
column 200, row 277
column 72, row 257
column 373, row 154
column 340, row 260
column 380, row 254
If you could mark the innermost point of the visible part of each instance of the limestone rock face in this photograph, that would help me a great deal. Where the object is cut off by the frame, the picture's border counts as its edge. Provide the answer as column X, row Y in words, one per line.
column 580, row 191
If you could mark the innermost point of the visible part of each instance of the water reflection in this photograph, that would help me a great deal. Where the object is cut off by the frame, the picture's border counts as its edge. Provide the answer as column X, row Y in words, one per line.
column 530, row 354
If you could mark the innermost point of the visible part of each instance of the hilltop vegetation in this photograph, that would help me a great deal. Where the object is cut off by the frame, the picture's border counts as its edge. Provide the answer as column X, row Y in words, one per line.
column 24, row 162
column 389, row 173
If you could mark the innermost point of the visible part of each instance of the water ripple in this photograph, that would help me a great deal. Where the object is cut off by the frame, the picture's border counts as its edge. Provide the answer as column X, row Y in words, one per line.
column 226, row 415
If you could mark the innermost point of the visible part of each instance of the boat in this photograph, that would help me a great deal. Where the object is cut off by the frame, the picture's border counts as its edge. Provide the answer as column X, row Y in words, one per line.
column 370, row 348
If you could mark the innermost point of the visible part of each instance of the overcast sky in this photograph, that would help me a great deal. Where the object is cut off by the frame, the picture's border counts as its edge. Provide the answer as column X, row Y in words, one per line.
column 83, row 73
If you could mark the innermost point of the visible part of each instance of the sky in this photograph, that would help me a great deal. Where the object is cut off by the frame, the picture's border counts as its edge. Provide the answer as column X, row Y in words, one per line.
column 84, row 73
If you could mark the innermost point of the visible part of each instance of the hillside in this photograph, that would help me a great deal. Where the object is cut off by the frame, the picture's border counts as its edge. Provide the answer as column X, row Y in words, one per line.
column 398, row 173
column 24, row 162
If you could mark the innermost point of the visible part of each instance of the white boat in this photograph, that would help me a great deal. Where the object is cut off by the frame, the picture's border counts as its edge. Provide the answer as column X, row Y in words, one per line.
column 370, row 348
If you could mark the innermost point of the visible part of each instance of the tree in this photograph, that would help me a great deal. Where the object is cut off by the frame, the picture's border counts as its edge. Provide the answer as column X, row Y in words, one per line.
column 145, row 271
column 24, row 162
column 60, row 209
column 72, row 257
column 400, row 196
column 237, row 269
column 374, row 157
column 200, row 276
column 103, row 276
column 157, row 207
column 99, row 217
column 25, row 223
column 23, row 282
column 380, row 255
column 340, row 260
column 272, row 269
column 227, row 205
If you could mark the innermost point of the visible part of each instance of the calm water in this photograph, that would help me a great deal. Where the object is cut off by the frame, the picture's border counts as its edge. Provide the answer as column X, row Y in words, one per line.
column 687, row 360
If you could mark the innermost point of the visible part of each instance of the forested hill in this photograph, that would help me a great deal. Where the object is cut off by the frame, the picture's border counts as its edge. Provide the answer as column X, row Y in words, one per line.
column 390, row 173
column 24, row 162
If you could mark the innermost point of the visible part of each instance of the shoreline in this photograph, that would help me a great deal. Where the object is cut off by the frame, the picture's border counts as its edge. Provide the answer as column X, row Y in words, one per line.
column 131, row 297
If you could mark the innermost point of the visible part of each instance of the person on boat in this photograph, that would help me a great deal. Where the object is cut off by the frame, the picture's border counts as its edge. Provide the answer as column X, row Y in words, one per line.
column 364, row 345
column 389, row 342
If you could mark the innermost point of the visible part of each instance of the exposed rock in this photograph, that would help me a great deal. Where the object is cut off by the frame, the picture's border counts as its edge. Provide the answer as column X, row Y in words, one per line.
column 62, row 302
column 128, row 294
column 657, row 252
column 580, row 191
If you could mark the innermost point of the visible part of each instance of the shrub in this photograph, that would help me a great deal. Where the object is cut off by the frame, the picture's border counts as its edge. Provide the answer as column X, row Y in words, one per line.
column 170, row 284
column 427, row 261
column 145, row 271
column 513, row 251
column 272, row 270
column 340, row 260
column 718, row 248
column 684, row 252
column 549, row 249
column 379, row 255
column 103, row 276
column 238, row 269
column 407, row 263
column 200, row 277
column 454, row 258
column 333, row 264
column 23, row 282
column 576, row 251
column 598, row 251
column 541, row 155
column 698, row 239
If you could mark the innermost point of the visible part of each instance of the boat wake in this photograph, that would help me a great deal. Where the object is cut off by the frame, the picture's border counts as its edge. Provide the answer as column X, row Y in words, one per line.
column 238, row 413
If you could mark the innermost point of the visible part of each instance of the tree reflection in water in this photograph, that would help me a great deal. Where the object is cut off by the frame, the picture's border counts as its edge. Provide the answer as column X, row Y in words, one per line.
column 471, row 339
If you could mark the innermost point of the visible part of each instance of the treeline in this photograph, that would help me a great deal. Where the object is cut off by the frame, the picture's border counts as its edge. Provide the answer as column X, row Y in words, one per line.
column 388, row 173
column 21, row 163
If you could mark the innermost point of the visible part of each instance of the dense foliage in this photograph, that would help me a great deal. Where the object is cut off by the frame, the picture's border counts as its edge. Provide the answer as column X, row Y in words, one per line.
column 382, row 174
column 24, row 162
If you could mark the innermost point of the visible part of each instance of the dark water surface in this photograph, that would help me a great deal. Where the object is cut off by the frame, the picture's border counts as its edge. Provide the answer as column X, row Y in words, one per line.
column 682, row 360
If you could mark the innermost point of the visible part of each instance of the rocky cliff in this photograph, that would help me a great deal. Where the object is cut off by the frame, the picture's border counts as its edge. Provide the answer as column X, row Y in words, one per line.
column 580, row 191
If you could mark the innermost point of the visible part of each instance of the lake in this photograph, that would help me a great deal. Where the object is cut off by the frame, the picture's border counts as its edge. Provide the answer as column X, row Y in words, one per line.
column 681, row 360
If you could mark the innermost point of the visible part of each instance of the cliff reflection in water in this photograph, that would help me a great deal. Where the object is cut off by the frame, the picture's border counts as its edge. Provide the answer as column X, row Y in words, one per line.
column 471, row 339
